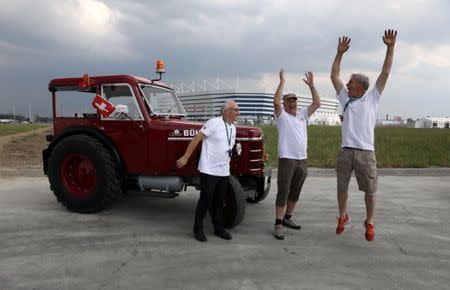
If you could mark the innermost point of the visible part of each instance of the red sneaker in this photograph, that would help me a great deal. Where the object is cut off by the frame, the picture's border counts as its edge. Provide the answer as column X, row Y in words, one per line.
column 342, row 222
column 370, row 232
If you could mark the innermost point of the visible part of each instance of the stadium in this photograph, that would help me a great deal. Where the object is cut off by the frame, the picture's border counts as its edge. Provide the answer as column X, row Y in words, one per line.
column 256, row 108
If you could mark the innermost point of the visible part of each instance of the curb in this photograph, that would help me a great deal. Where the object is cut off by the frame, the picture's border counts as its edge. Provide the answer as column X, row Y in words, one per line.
column 312, row 171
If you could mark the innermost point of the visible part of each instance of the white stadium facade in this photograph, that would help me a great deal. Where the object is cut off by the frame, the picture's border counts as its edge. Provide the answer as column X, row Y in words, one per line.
column 255, row 108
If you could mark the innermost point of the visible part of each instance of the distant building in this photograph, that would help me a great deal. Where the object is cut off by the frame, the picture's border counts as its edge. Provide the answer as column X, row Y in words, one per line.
column 397, row 122
column 431, row 122
column 255, row 107
column 410, row 123
column 394, row 123
column 327, row 114
column 6, row 121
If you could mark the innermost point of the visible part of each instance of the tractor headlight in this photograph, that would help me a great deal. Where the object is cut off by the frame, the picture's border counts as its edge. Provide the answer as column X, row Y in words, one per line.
column 238, row 149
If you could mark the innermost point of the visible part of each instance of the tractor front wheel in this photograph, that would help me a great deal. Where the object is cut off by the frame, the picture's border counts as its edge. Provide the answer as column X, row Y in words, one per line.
column 234, row 204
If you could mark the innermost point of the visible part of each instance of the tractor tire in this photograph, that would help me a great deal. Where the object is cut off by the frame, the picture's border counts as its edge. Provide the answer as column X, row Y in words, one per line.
column 83, row 175
column 234, row 204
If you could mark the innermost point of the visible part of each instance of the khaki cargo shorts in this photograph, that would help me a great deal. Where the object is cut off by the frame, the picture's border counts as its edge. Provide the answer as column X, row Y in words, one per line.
column 365, row 165
column 292, row 174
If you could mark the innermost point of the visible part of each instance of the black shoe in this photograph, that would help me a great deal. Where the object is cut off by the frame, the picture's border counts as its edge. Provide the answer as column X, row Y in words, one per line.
column 223, row 234
column 200, row 235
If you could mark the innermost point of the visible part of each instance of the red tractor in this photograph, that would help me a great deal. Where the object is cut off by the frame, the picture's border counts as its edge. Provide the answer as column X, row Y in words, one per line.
column 117, row 133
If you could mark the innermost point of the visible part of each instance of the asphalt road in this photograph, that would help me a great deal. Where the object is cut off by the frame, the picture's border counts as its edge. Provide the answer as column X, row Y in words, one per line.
column 144, row 242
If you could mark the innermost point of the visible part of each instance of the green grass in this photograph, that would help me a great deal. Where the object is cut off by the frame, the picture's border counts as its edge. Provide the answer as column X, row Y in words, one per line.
column 9, row 129
column 394, row 147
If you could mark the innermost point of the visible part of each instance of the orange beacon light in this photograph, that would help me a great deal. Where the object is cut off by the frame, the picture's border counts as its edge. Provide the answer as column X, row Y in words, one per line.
column 160, row 66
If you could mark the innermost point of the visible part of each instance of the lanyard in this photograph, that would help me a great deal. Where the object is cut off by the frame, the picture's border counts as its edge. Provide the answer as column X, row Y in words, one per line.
column 231, row 133
column 350, row 100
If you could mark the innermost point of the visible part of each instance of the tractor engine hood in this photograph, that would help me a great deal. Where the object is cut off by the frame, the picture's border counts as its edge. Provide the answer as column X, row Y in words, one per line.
column 179, row 128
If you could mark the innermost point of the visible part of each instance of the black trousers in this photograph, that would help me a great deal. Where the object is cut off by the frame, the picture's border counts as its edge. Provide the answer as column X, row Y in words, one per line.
column 212, row 192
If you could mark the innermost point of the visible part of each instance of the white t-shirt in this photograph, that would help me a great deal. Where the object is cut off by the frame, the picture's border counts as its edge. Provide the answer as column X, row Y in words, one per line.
column 214, row 158
column 292, row 134
column 360, row 119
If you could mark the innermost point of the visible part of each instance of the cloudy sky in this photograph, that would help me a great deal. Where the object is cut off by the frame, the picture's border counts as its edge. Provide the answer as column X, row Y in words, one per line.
column 232, row 40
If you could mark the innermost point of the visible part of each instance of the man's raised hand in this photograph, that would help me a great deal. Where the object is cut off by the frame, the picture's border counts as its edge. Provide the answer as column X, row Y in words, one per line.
column 282, row 79
column 309, row 79
column 344, row 44
column 390, row 37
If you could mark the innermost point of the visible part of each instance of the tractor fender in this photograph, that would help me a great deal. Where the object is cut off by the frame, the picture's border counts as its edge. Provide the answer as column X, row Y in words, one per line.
column 81, row 131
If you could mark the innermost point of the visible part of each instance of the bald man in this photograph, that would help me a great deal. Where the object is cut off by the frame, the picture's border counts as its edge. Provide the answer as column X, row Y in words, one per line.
column 218, row 137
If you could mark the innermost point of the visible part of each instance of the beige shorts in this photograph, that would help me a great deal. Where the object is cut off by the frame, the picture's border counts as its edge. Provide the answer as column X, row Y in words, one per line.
column 365, row 165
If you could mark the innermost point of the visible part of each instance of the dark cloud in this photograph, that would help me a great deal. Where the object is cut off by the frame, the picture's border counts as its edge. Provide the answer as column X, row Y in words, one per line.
column 208, row 39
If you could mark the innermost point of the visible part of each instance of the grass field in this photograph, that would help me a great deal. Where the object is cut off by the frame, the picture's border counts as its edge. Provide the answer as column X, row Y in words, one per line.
column 394, row 147
column 9, row 129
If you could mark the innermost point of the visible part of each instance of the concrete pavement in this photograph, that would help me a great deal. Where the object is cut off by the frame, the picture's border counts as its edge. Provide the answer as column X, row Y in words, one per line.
column 144, row 242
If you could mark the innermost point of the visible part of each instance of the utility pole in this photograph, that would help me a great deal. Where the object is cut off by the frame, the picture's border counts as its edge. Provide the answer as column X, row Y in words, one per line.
column 29, row 111
column 14, row 113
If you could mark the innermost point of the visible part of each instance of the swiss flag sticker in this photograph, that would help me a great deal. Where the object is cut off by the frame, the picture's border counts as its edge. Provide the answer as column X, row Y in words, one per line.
column 103, row 106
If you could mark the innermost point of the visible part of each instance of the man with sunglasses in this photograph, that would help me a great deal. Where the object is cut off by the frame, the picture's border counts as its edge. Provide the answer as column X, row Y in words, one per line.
column 218, row 136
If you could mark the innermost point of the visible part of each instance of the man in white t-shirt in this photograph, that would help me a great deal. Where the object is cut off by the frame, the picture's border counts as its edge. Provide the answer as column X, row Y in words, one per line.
column 218, row 137
column 360, row 107
column 292, row 145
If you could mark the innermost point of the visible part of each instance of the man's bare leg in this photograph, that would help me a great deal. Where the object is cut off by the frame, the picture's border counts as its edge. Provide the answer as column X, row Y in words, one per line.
column 342, row 202
column 370, row 207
